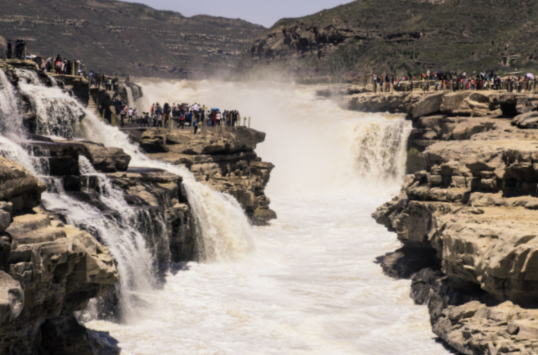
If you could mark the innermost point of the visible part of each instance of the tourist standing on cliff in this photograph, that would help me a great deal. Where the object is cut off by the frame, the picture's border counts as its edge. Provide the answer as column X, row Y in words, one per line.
column 181, row 122
column 9, row 50
column 166, row 113
column 195, row 125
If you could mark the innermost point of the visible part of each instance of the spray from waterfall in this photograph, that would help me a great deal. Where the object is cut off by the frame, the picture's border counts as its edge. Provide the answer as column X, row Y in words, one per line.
column 316, row 145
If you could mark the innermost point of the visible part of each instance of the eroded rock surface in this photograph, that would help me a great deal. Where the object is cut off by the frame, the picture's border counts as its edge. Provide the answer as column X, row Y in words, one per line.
column 48, row 271
column 226, row 161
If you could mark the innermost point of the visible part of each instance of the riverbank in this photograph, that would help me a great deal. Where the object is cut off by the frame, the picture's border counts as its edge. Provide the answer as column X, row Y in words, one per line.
column 466, row 215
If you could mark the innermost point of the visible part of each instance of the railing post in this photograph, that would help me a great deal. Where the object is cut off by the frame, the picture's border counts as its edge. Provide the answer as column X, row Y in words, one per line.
column 248, row 121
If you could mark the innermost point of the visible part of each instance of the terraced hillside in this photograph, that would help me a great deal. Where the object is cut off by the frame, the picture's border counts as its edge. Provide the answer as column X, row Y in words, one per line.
column 114, row 36
column 398, row 36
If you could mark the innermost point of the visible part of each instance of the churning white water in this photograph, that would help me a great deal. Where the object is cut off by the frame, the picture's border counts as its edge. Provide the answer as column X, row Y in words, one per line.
column 310, row 285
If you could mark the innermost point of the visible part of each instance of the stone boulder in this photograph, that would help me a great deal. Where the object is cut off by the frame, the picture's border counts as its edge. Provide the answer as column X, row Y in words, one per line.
column 18, row 186
column 52, row 270
column 240, row 139
column 11, row 298
column 106, row 159
column 427, row 105
column 526, row 120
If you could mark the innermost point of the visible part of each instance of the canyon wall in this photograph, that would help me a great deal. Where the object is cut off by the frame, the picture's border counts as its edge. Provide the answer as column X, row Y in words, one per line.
column 466, row 215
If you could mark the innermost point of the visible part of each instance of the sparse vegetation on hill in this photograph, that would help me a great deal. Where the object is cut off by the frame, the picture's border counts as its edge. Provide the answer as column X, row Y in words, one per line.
column 399, row 37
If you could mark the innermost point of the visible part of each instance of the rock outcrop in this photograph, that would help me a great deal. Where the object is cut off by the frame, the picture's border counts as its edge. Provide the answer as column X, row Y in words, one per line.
column 226, row 161
column 48, row 271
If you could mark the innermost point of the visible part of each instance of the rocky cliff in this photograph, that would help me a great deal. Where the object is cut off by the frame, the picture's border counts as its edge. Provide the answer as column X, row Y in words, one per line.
column 396, row 37
column 151, row 42
column 226, row 161
column 48, row 271
column 466, row 215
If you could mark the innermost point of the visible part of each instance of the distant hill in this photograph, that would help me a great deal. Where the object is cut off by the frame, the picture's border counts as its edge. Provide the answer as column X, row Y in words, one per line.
column 114, row 36
column 398, row 36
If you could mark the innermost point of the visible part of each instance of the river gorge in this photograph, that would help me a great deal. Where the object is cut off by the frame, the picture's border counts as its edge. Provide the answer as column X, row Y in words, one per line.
column 341, row 221
column 194, row 276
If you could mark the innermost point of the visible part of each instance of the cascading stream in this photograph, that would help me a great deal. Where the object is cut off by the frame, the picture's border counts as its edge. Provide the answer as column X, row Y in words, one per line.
column 9, row 110
column 225, row 229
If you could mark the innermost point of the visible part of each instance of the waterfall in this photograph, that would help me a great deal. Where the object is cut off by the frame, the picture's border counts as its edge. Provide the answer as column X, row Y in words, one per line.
column 224, row 231
column 130, row 97
column 55, row 109
column 379, row 150
column 119, row 225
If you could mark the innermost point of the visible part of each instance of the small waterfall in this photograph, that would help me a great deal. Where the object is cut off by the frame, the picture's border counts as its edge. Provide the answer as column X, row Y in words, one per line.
column 55, row 109
column 379, row 149
column 130, row 97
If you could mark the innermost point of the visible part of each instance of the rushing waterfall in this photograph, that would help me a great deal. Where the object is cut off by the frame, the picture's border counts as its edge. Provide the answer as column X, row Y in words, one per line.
column 55, row 109
column 130, row 97
column 121, row 227
column 380, row 148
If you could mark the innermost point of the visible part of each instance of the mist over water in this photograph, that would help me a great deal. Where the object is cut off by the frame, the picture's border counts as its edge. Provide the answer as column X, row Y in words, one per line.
column 309, row 284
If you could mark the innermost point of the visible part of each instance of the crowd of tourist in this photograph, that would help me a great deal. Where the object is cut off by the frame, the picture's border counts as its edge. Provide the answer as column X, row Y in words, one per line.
column 195, row 116
column 15, row 51
column 453, row 81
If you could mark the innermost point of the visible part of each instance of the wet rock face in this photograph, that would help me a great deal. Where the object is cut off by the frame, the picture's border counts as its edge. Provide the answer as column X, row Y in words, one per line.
column 48, row 270
column 162, row 194
column 226, row 161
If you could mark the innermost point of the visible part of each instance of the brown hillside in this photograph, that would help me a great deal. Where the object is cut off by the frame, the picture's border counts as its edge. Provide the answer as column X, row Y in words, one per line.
column 399, row 37
column 114, row 36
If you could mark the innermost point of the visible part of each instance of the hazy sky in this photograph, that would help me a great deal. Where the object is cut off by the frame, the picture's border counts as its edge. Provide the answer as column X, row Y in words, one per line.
column 263, row 12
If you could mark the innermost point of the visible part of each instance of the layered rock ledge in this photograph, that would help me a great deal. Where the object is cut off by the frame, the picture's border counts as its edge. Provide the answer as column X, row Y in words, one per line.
column 467, row 214
column 226, row 161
